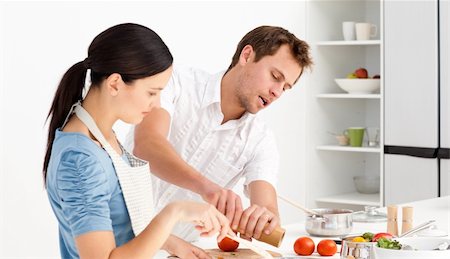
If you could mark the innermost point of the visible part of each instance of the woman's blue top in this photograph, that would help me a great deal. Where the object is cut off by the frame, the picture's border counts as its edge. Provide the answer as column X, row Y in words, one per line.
column 84, row 192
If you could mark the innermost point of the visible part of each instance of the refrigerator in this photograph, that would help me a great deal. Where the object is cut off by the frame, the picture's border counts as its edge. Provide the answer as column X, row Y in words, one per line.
column 416, row 100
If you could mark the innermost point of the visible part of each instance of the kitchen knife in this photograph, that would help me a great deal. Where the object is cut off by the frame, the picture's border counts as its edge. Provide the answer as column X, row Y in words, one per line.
column 251, row 246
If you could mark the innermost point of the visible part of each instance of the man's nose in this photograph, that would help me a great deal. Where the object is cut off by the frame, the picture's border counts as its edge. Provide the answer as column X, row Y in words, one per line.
column 277, row 90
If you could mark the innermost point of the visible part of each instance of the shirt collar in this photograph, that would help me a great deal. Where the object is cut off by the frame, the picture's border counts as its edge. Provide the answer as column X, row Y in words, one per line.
column 212, row 92
column 212, row 96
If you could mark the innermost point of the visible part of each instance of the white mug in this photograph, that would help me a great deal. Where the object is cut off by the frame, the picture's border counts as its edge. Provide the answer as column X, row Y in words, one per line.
column 364, row 31
column 348, row 30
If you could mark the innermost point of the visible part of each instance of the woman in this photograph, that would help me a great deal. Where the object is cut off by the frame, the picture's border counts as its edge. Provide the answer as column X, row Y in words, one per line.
column 100, row 193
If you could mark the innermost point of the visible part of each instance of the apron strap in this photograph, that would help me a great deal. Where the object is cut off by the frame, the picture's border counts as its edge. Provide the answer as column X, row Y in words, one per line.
column 84, row 116
column 70, row 113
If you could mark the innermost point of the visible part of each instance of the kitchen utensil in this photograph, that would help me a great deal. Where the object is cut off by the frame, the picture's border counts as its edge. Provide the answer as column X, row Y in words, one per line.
column 365, row 31
column 358, row 86
column 332, row 222
column 357, row 250
column 423, row 248
column 342, row 139
column 367, row 184
column 251, row 246
column 325, row 222
column 443, row 246
column 407, row 218
column 348, row 30
column 369, row 215
column 392, row 225
column 373, row 136
column 432, row 231
column 293, row 203
column 355, row 136
column 418, row 228
column 275, row 238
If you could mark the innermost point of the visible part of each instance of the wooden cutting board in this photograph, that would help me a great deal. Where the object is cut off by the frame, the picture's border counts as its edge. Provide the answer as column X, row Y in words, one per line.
column 239, row 253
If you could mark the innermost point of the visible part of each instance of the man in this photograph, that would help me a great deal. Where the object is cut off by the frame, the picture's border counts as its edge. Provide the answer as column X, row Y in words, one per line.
column 214, row 135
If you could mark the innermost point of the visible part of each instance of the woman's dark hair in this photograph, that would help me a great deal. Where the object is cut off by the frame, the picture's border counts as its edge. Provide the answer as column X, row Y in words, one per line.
column 266, row 40
column 134, row 51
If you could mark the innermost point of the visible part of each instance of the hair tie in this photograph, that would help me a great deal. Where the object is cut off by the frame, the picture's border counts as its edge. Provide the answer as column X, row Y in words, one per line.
column 86, row 63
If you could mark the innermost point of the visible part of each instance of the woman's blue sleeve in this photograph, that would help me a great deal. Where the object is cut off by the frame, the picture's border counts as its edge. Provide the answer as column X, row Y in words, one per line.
column 83, row 191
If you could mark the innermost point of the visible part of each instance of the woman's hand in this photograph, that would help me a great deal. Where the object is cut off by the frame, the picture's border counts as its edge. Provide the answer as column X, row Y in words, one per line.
column 225, row 200
column 184, row 250
column 206, row 217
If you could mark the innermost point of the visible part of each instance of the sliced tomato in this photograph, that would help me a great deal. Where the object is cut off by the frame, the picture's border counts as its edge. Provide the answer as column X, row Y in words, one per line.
column 228, row 245
column 380, row 235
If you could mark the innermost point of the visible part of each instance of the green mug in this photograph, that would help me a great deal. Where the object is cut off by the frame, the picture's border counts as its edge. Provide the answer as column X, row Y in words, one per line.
column 355, row 135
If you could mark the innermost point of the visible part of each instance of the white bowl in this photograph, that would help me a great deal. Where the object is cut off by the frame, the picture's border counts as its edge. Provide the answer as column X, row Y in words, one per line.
column 367, row 184
column 424, row 249
column 358, row 86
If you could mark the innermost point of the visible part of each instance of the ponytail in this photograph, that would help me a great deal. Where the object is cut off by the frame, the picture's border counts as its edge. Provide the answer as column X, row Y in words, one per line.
column 69, row 91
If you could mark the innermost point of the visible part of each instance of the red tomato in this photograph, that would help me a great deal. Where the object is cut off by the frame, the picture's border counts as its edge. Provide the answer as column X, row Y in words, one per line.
column 326, row 247
column 304, row 246
column 228, row 245
column 379, row 235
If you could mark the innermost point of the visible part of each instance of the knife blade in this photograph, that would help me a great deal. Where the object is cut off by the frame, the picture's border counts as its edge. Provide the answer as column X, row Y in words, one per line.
column 251, row 246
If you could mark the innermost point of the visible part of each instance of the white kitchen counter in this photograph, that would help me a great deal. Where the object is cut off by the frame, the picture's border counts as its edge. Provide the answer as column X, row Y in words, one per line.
column 437, row 209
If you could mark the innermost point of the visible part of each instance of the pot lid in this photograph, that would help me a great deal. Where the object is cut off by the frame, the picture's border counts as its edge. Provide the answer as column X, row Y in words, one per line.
column 370, row 214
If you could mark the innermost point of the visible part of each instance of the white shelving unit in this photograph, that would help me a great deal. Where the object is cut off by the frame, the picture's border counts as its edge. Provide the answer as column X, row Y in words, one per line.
column 349, row 96
column 331, row 166
column 350, row 149
column 354, row 198
column 348, row 43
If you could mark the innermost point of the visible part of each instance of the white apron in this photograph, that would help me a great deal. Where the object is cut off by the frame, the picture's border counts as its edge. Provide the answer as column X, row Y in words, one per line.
column 134, row 178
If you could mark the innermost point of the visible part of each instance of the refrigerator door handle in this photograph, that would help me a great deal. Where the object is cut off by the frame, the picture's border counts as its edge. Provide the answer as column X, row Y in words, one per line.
column 412, row 151
column 443, row 153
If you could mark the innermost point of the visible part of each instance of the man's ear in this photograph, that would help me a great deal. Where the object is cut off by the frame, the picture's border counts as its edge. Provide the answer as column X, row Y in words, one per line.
column 114, row 83
column 246, row 55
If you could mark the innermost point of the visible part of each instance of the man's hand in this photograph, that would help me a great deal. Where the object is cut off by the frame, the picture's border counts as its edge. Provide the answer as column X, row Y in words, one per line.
column 227, row 202
column 255, row 220
column 263, row 214
column 184, row 250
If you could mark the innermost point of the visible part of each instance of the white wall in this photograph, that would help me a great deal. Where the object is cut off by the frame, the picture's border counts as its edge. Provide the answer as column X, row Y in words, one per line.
column 41, row 40
column 2, row 144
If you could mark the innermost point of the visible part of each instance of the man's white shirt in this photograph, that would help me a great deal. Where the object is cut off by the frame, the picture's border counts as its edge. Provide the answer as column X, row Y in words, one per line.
column 222, row 153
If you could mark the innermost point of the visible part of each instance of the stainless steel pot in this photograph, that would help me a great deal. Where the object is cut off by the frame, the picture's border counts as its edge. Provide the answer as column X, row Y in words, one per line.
column 330, row 222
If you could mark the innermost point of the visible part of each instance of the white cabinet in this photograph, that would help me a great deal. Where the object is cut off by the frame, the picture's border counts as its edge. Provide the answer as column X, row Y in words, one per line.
column 331, row 167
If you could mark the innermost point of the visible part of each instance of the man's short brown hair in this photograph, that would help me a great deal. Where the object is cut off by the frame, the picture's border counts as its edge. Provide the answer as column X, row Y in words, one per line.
column 266, row 40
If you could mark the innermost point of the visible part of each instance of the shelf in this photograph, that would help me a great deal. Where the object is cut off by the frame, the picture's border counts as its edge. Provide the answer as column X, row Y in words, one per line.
column 353, row 198
column 349, row 96
column 348, row 43
column 350, row 149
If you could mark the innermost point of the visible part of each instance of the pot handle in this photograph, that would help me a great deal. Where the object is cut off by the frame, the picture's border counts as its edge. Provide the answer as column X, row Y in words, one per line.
column 320, row 218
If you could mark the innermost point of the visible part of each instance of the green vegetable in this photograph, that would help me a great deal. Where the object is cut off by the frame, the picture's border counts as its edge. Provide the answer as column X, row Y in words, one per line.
column 388, row 244
column 368, row 236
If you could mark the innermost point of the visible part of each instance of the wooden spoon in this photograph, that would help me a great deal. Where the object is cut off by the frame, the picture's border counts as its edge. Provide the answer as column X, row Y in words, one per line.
column 298, row 206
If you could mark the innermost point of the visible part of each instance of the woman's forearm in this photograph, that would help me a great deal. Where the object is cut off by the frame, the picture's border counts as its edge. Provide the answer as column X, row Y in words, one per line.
column 149, row 241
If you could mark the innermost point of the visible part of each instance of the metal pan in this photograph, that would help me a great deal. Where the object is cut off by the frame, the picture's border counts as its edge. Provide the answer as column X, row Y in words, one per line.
column 331, row 222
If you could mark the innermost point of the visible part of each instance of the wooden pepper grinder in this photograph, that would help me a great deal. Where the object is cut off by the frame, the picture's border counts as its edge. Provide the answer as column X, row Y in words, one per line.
column 275, row 238
column 407, row 218
column 392, row 226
